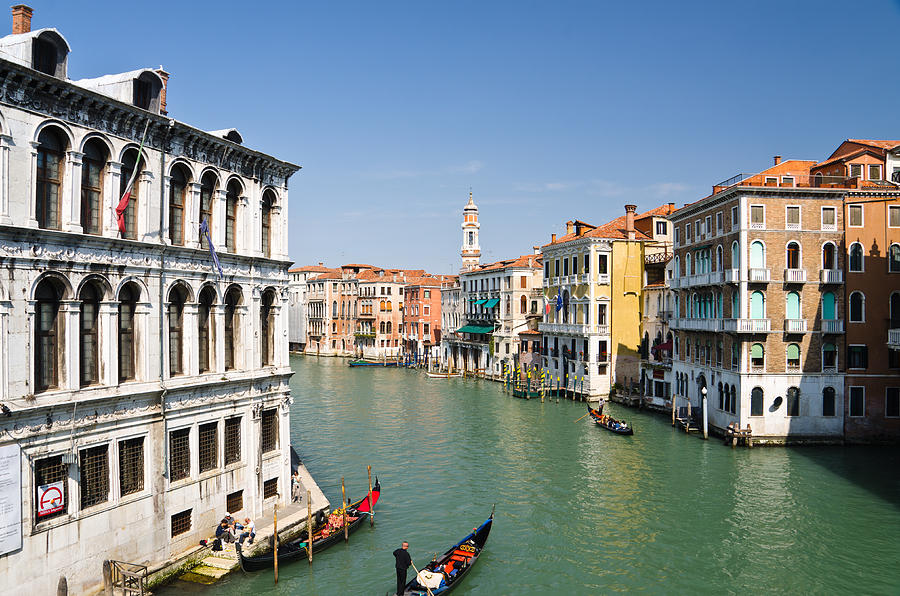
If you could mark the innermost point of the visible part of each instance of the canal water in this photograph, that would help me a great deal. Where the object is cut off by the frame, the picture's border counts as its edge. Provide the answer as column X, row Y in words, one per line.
column 579, row 510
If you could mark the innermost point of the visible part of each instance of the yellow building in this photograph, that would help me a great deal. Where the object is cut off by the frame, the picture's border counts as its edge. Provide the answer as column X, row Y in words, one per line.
column 593, row 282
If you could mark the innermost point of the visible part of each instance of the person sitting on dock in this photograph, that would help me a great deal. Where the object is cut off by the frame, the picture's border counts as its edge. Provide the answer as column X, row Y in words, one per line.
column 224, row 532
column 249, row 531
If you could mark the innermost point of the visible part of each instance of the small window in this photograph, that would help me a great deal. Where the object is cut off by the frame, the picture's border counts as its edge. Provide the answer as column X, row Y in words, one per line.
column 131, row 466
column 677, row 236
column 209, row 446
column 661, row 228
column 787, row 181
column 179, row 454
column 44, row 56
column 756, row 402
column 142, row 94
column 856, row 170
column 719, row 222
column 757, row 356
column 707, row 226
column 269, row 430
column 792, row 218
column 181, row 523
column 734, row 218
column 793, row 357
column 687, row 232
column 829, row 357
column 51, row 470
column 874, row 172
column 602, row 264
column 94, row 468
column 771, row 181
column 892, row 402
column 857, row 307
column 829, row 219
column 856, row 257
column 757, row 216
column 858, row 356
column 697, row 230
column 828, row 405
column 856, row 216
column 270, row 488
column 857, row 401
column 234, row 502
column 894, row 258
column 894, row 216
column 793, row 401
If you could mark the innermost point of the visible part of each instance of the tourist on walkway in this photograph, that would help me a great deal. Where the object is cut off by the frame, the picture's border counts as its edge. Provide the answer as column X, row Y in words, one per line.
column 296, row 488
column 403, row 561
column 249, row 531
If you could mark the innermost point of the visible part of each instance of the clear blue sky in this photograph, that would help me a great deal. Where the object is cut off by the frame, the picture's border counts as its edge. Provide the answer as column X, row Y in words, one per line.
column 548, row 110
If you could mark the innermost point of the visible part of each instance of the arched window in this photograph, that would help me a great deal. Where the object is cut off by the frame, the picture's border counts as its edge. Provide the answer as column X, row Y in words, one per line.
column 334, row 312
column 267, row 328
column 232, row 196
column 508, row 308
column 687, row 264
column 757, row 255
column 856, row 257
column 177, row 299
column 565, row 306
column 857, row 307
column 131, row 210
column 793, row 356
column 50, row 152
column 735, row 256
column 829, row 357
column 829, row 311
column 733, row 408
column 793, row 305
column 793, row 401
column 720, row 258
column 894, row 258
column 48, row 330
column 207, row 188
column 828, row 256
column 523, row 305
column 232, row 301
column 757, row 305
column 128, row 298
column 388, row 327
column 828, row 405
column 757, row 356
column 381, row 327
column 817, row 179
column 89, row 335
column 205, row 333
column 677, row 272
column 266, row 222
column 721, row 397
column 92, row 165
column 793, row 255
column 177, row 194
column 895, row 310
column 756, row 402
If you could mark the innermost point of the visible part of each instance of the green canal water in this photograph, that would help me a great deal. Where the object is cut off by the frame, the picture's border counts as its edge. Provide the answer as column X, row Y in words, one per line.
column 579, row 510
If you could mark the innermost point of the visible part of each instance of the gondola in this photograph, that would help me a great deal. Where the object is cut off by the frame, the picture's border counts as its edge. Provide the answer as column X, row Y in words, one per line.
column 609, row 423
column 373, row 363
column 291, row 551
column 446, row 571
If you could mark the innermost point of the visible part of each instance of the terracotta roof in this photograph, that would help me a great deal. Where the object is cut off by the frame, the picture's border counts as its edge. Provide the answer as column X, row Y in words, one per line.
column 310, row 268
column 532, row 260
column 615, row 229
column 529, row 332
column 331, row 274
column 875, row 143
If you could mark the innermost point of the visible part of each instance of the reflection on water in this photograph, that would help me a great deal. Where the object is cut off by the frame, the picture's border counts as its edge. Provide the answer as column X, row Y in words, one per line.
column 579, row 509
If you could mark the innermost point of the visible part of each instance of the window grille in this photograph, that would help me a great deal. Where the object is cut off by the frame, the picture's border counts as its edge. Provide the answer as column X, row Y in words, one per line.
column 269, row 430
column 48, row 471
column 234, row 502
column 232, row 440
column 209, row 446
column 179, row 454
column 94, row 468
column 131, row 466
column 127, row 308
column 181, row 522
column 270, row 488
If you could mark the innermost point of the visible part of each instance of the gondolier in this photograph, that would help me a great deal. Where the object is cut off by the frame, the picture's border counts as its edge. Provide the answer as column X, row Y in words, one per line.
column 402, row 563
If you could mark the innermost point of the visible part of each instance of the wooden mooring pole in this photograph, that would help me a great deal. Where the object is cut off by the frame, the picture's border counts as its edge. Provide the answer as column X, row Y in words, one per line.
column 276, row 541
column 371, row 504
column 309, row 526
column 344, row 510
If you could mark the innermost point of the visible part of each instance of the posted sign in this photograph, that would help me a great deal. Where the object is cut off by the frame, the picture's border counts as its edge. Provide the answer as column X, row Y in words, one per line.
column 10, row 498
column 50, row 498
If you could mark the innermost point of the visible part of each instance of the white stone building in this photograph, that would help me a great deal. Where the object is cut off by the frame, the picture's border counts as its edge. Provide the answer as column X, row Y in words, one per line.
column 298, row 316
column 146, row 390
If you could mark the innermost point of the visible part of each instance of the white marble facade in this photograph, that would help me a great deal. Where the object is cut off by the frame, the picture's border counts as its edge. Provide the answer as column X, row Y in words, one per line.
column 73, row 419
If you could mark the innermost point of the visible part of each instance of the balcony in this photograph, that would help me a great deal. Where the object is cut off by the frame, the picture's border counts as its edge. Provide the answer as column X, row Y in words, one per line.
column 716, row 277
column 732, row 276
column 893, row 341
column 832, row 326
column 795, row 276
column 795, row 325
column 759, row 275
column 747, row 325
column 831, row 276
column 692, row 324
column 603, row 278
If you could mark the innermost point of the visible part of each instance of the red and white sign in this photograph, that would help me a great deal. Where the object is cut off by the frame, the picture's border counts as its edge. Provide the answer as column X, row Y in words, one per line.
column 50, row 498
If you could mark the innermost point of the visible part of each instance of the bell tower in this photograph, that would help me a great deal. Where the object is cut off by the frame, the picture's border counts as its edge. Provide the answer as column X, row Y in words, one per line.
column 471, row 250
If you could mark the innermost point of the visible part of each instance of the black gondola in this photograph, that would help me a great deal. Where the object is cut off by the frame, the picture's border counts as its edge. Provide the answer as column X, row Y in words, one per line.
column 453, row 565
column 609, row 423
column 291, row 551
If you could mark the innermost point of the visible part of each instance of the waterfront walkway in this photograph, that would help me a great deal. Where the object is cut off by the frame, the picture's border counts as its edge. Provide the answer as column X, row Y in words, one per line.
column 291, row 521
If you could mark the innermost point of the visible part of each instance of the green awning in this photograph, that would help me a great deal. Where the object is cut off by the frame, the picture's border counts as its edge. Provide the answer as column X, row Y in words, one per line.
column 793, row 352
column 756, row 351
column 476, row 329
column 492, row 303
column 480, row 302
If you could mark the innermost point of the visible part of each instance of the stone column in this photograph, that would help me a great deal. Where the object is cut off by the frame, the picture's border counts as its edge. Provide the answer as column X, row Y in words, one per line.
column 112, row 182
column 242, row 241
column 146, row 224
column 32, row 189
column 189, row 360
column 69, row 372
column 243, row 338
column 217, row 225
column 5, row 308
column 109, row 343
column 164, row 232
column 217, row 326
column 5, row 141
column 142, row 338
column 192, row 216
column 275, row 233
column 252, row 351
column 71, row 198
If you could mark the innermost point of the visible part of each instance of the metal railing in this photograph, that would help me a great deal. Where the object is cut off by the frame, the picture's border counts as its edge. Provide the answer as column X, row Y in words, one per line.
column 832, row 325
column 894, row 338
column 747, row 325
column 831, row 276
column 795, row 276
column 759, row 275
column 795, row 325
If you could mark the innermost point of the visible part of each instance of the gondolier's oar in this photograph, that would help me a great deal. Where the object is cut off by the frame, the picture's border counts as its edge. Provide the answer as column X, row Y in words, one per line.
column 417, row 575
column 588, row 414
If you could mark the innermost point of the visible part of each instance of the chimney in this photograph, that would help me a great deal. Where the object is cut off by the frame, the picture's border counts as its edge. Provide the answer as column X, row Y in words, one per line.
column 21, row 19
column 552, row 238
column 629, row 220
column 162, row 93
column 777, row 159
column 536, row 249
column 569, row 227
column 321, row 264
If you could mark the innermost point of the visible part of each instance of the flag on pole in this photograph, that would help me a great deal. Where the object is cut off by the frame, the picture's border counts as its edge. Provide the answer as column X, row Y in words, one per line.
column 123, row 202
column 559, row 303
column 204, row 229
